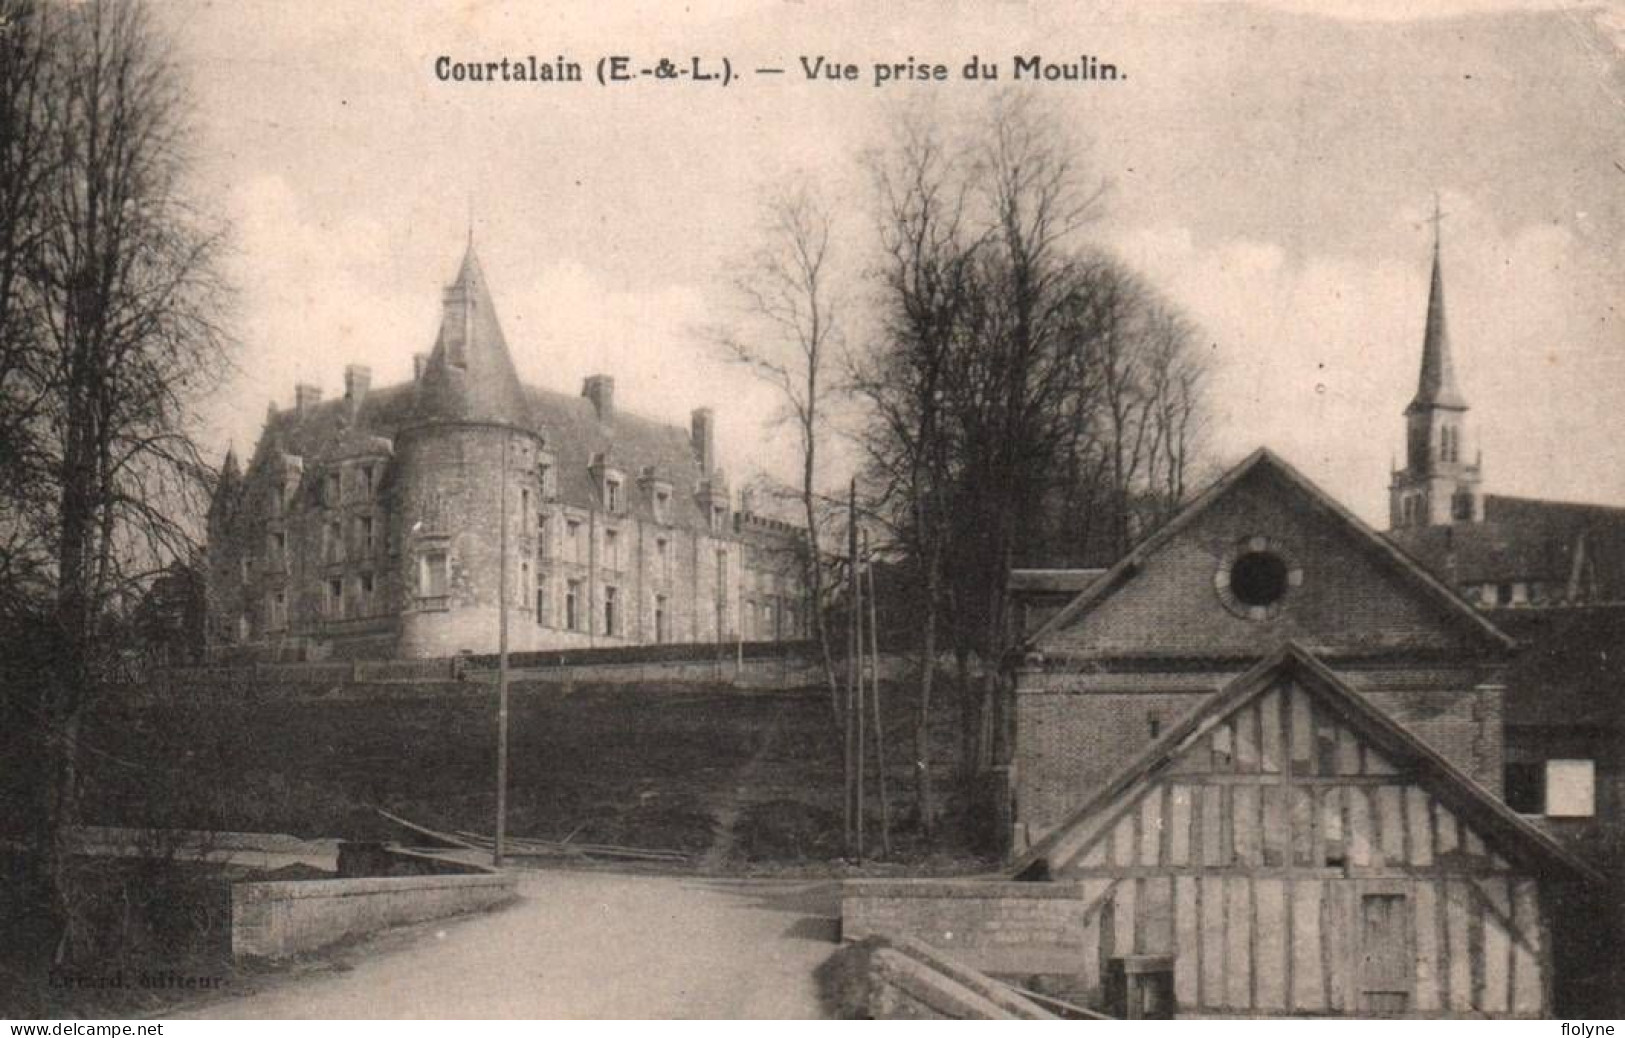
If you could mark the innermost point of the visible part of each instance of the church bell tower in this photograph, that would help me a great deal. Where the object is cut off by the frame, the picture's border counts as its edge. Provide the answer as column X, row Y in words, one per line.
column 1437, row 486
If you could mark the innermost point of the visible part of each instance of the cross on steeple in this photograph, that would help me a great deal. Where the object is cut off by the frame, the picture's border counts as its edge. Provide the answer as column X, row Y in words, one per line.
column 1436, row 219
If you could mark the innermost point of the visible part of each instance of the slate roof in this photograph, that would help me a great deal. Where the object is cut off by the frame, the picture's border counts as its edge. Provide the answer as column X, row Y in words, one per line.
column 1417, row 576
column 1474, row 802
column 484, row 387
column 1569, row 671
column 1436, row 386
column 1523, row 539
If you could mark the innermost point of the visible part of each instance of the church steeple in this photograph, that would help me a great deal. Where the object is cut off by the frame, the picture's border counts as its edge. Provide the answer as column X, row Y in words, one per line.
column 470, row 374
column 1436, row 387
column 1436, row 486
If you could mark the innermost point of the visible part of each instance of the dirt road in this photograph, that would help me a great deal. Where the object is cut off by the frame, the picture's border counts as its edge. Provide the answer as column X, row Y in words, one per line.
column 584, row 945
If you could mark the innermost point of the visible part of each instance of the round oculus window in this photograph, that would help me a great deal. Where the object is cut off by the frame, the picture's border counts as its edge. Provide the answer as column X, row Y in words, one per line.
column 1255, row 577
column 1258, row 578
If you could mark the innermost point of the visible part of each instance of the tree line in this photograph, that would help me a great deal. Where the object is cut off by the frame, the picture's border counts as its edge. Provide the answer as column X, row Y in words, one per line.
column 1016, row 394
column 112, row 310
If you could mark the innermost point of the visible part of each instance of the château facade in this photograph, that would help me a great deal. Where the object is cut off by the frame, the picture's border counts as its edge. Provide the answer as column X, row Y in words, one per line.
column 373, row 525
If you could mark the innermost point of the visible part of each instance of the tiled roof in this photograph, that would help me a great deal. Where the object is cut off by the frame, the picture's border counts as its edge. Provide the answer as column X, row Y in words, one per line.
column 1525, row 539
column 1570, row 667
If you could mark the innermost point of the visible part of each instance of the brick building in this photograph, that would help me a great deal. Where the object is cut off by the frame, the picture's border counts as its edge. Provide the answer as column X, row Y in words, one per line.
column 372, row 525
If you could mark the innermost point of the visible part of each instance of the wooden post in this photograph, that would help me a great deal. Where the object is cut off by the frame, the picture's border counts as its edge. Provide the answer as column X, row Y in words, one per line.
column 860, row 809
column 874, row 684
column 851, row 662
column 502, row 661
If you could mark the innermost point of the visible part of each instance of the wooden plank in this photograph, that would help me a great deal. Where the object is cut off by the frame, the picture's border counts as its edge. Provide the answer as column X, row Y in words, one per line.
column 1125, row 902
column 1527, row 955
column 1094, row 891
column 1187, row 944
column 1449, row 835
column 1197, row 756
column 1358, row 806
column 1419, row 821
column 1212, row 826
column 1246, row 721
column 1472, row 845
column 1244, row 825
column 1276, row 836
column 1461, row 975
column 1301, row 733
column 1475, row 943
column 1211, row 893
column 1308, row 966
column 1269, row 732
column 1391, row 815
column 1179, row 825
column 1426, row 928
column 1238, row 914
column 1335, row 848
column 1155, row 925
column 1123, row 841
column 1348, row 751
column 1304, row 827
column 1325, row 742
column 1151, row 828
column 1337, row 944
column 1497, row 998
column 1223, row 754
column 1270, row 934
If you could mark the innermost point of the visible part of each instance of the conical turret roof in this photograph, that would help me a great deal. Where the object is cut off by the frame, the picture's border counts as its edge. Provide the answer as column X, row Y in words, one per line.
column 470, row 374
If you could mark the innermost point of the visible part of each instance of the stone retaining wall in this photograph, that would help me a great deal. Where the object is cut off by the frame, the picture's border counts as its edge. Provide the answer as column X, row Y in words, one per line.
column 276, row 920
column 996, row 926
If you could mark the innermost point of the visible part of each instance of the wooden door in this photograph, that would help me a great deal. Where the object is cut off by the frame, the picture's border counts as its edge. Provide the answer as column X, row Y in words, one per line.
column 1387, row 966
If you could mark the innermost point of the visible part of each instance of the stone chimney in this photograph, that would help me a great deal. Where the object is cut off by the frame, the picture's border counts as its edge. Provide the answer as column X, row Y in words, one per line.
column 419, row 362
column 703, row 433
column 600, row 389
column 357, row 380
column 305, row 398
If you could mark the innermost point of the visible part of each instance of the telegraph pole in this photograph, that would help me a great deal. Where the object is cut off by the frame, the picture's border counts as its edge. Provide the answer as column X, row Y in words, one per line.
column 502, row 660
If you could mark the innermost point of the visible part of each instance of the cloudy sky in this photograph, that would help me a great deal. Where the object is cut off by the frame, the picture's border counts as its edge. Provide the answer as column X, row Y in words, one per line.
column 1270, row 166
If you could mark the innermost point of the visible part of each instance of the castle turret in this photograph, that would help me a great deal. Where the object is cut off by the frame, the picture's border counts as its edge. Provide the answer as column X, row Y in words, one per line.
column 471, row 417
column 1438, row 485
column 470, row 376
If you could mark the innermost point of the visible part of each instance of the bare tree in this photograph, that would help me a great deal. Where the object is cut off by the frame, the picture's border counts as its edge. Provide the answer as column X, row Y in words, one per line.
column 789, row 336
column 123, row 334
column 926, row 280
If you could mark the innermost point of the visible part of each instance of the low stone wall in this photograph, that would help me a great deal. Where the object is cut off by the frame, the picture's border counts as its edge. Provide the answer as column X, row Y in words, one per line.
column 276, row 920
column 996, row 926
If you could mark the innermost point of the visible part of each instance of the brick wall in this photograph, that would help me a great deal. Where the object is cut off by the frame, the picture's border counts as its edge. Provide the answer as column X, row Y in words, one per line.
column 991, row 925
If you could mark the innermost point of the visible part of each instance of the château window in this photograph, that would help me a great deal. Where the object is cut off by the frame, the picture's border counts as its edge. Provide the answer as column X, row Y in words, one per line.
column 279, row 610
column 333, row 545
column 572, row 540
column 524, row 582
column 433, row 577
column 524, row 500
column 572, row 605
column 541, row 599
column 662, row 506
column 364, row 588
column 364, row 535
column 610, row 618
column 612, row 494
column 366, row 479
column 662, row 558
column 660, row 619
column 544, row 479
column 719, row 518
column 612, row 550
column 335, row 598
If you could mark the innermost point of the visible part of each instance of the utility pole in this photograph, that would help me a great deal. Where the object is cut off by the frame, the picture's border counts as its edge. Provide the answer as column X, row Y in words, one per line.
column 874, row 686
column 852, row 666
column 502, row 660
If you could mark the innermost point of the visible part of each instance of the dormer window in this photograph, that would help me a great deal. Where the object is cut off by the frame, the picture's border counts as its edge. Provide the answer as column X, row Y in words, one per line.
column 366, row 480
column 544, row 478
column 719, row 518
column 662, row 505
column 612, row 494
